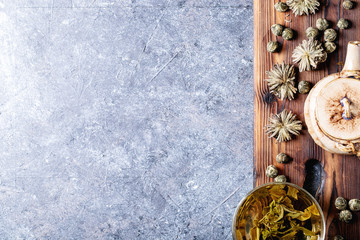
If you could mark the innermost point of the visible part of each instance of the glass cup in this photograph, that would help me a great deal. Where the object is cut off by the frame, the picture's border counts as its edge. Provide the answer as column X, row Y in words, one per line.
column 252, row 205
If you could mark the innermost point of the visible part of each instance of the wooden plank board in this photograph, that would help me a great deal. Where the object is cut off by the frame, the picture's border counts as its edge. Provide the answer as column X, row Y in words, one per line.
column 341, row 176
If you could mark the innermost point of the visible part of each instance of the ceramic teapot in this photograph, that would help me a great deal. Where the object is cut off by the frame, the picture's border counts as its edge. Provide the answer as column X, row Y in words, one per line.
column 332, row 108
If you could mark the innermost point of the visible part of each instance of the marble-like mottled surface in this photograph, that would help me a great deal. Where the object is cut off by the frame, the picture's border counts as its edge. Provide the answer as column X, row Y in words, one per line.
column 124, row 119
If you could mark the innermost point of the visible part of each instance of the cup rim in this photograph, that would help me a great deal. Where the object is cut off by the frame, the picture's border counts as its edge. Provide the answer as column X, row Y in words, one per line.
column 322, row 237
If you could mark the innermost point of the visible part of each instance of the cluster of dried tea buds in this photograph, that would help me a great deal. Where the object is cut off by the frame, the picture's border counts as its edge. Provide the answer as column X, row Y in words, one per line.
column 282, row 158
column 309, row 54
column 279, row 30
column 272, row 171
column 330, row 34
column 299, row 7
column 341, row 204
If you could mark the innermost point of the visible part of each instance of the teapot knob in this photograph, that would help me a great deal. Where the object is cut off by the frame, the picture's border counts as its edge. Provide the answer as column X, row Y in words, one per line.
column 345, row 103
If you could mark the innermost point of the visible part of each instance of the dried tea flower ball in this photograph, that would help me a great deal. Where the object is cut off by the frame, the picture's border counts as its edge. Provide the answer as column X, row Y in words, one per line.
column 277, row 29
column 312, row 32
column 271, row 171
column 309, row 54
column 280, row 178
column 347, row 4
column 330, row 35
column 323, row 57
column 338, row 237
column 272, row 46
column 281, row 7
column 304, row 87
column 301, row 7
column 345, row 216
column 354, row 205
column 330, row 47
column 282, row 158
column 288, row 34
column 343, row 23
column 322, row 24
column 283, row 126
column 340, row 203
column 281, row 81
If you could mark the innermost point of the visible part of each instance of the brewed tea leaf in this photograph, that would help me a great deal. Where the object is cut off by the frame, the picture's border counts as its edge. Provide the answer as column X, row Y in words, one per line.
column 280, row 220
column 292, row 192
column 286, row 202
column 313, row 210
column 277, row 192
column 302, row 216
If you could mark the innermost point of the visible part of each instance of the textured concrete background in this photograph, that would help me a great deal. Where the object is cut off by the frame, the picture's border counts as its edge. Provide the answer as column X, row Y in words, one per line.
column 124, row 119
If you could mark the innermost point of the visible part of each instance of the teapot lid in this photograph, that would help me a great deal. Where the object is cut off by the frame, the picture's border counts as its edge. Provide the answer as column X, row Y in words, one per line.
column 338, row 109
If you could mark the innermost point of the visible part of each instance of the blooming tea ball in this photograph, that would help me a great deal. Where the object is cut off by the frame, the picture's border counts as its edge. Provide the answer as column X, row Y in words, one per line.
column 277, row 29
column 330, row 35
column 345, row 216
column 354, row 205
column 272, row 46
column 304, row 87
column 282, row 158
column 340, row 203
column 347, row 4
column 312, row 32
column 330, row 47
column 281, row 7
column 271, row 171
column 280, row 178
column 322, row 24
column 288, row 34
column 343, row 23
column 338, row 237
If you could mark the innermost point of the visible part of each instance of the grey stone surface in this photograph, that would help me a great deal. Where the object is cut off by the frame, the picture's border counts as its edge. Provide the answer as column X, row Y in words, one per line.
column 124, row 119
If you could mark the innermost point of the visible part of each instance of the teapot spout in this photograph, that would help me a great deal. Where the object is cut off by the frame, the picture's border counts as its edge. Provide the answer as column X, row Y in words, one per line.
column 352, row 62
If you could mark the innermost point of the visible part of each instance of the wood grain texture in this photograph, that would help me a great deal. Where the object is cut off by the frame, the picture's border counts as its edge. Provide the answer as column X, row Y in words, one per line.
column 341, row 175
